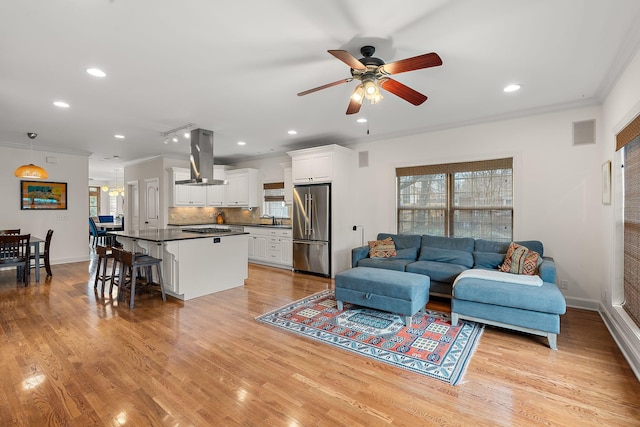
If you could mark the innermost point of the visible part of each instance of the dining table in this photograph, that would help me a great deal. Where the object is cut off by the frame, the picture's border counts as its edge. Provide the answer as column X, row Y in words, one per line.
column 110, row 226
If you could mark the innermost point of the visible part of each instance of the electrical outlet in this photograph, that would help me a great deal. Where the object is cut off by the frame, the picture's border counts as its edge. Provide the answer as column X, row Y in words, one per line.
column 564, row 284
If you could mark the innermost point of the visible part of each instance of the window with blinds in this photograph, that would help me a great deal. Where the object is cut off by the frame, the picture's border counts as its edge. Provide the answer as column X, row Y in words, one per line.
column 274, row 200
column 629, row 140
column 469, row 199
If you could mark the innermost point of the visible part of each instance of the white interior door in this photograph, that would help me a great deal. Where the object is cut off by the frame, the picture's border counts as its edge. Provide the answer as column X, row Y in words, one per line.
column 152, row 204
column 132, row 209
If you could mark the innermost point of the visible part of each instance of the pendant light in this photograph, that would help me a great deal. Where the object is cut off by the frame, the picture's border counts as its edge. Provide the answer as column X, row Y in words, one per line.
column 31, row 171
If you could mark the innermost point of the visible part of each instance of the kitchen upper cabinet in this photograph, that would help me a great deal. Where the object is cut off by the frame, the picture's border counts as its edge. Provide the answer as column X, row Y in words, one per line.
column 243, row 188
column 288, row 186
column 316, row 164
column 216, row 194
column 185, row 195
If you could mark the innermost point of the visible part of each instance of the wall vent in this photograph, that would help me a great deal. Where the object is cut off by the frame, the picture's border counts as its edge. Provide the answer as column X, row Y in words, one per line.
column 363, row 159
column 584, row 132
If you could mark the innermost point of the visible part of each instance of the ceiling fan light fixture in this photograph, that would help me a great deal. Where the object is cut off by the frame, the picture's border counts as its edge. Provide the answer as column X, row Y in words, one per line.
column 358, row 94
column 371, row 91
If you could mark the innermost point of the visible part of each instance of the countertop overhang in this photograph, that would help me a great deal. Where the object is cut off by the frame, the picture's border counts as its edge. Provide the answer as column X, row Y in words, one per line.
column 170, row 234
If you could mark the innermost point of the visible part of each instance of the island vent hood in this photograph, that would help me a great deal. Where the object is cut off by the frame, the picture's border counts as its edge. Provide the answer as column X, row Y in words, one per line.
column 201, row 160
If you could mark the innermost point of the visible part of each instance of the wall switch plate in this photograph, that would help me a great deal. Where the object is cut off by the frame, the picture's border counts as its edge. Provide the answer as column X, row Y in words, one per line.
column 564, row 284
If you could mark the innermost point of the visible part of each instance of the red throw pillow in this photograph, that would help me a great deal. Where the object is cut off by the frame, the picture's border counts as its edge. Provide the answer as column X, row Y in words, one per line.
column 520, row 260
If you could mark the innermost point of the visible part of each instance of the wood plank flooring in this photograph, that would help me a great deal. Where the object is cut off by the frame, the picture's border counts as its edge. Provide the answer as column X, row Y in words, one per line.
column 69, row 357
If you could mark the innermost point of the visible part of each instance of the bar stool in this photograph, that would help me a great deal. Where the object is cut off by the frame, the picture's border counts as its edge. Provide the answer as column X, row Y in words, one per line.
column 104, row 253
column 138, row 265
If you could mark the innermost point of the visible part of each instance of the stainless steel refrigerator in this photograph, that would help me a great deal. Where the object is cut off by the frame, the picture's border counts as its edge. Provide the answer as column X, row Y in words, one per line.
column 312, row 229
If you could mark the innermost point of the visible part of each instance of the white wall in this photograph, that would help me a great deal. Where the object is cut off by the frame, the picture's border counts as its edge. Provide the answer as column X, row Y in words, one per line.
column 621, row 106
column 70, row 241
column 557, row 196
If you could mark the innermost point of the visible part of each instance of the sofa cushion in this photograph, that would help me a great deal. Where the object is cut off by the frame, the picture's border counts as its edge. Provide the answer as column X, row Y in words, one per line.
column 482, row 245
column 392, row 263
column 382, row 248
column 520, row 260
column 408, row 253
column 488, row 260
column 451, row 256
column 403, row 241
column 438, row 271
column 458, row 243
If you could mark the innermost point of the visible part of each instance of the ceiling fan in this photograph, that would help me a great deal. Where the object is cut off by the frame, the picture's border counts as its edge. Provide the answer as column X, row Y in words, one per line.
column 373, row 73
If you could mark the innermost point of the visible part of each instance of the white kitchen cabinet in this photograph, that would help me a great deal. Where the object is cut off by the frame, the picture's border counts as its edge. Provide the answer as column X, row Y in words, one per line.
column 270, row 246
column 216, row 194
column 288, row 186
column 286, row 251
column 317, row 164
column 185, row 195
column 243, row 188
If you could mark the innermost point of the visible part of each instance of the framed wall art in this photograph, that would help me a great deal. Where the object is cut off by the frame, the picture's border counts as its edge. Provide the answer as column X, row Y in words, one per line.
column 606, row 183
column 40, row 195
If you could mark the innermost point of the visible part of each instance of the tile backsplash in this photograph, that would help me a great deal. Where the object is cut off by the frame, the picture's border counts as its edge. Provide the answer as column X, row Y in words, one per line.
column 209, row 215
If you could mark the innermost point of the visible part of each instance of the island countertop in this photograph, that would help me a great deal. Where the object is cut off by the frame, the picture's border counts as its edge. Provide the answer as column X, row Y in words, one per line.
column 170, row 234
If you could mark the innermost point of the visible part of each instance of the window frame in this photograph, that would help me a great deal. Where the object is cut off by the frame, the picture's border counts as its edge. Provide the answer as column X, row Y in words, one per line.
column 450, row 207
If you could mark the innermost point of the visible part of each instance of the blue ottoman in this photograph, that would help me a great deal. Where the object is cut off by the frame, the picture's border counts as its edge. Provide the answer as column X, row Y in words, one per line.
column 387, row 290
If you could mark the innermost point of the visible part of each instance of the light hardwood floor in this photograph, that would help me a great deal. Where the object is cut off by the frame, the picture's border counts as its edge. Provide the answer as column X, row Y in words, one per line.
column 69, row 357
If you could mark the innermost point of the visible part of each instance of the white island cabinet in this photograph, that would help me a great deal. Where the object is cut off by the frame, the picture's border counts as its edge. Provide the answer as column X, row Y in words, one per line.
column 193, row 265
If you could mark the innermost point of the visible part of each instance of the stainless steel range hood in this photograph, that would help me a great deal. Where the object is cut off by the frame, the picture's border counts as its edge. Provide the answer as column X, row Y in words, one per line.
column 201, row 160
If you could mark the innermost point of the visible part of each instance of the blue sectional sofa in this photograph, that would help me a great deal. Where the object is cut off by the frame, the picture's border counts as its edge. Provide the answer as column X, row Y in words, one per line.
column 525, row 303
column 444, row 258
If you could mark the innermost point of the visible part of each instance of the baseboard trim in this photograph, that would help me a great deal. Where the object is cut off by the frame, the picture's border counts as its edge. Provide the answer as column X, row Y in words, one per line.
column 627, row 339
column 583, row 303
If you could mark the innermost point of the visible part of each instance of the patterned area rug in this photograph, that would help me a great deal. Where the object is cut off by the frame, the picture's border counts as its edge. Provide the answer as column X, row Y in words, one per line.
column 431, row 346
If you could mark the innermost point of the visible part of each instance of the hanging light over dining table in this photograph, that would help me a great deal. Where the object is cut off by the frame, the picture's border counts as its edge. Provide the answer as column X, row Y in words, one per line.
column 31, row 171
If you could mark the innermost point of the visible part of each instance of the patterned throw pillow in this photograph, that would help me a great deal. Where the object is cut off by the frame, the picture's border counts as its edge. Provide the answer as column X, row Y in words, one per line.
column 520, row 260
column 382, row 248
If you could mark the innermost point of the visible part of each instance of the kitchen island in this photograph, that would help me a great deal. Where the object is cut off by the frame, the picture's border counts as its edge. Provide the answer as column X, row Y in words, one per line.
column 193, row 264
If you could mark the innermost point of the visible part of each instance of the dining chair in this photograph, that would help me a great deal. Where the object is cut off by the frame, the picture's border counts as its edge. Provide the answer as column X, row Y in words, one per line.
column 98, row 235
column 14, row 252
column 44, row 255
column 10, row 231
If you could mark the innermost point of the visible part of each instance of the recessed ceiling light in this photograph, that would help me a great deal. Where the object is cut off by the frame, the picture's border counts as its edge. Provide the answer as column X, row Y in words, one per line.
column 96, row 72
column 61, row 104
column 292, row 132
column 512, row 88
column 362, row 120
column 187, row 135
column 175, row 139
column 242, row 143
column 118, row 136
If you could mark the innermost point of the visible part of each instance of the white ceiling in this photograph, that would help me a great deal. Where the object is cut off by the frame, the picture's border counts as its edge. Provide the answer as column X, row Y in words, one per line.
column 235, row 68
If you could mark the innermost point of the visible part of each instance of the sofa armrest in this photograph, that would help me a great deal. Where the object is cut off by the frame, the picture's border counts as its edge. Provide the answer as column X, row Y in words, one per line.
column 357, row 254
column 547, row 270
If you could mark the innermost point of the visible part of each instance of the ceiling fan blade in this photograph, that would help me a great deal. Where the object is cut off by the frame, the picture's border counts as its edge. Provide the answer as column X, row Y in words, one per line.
column 409, row 64
column 354, row 105
column 348, row 59
column 401, row 90
column 315, row 89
